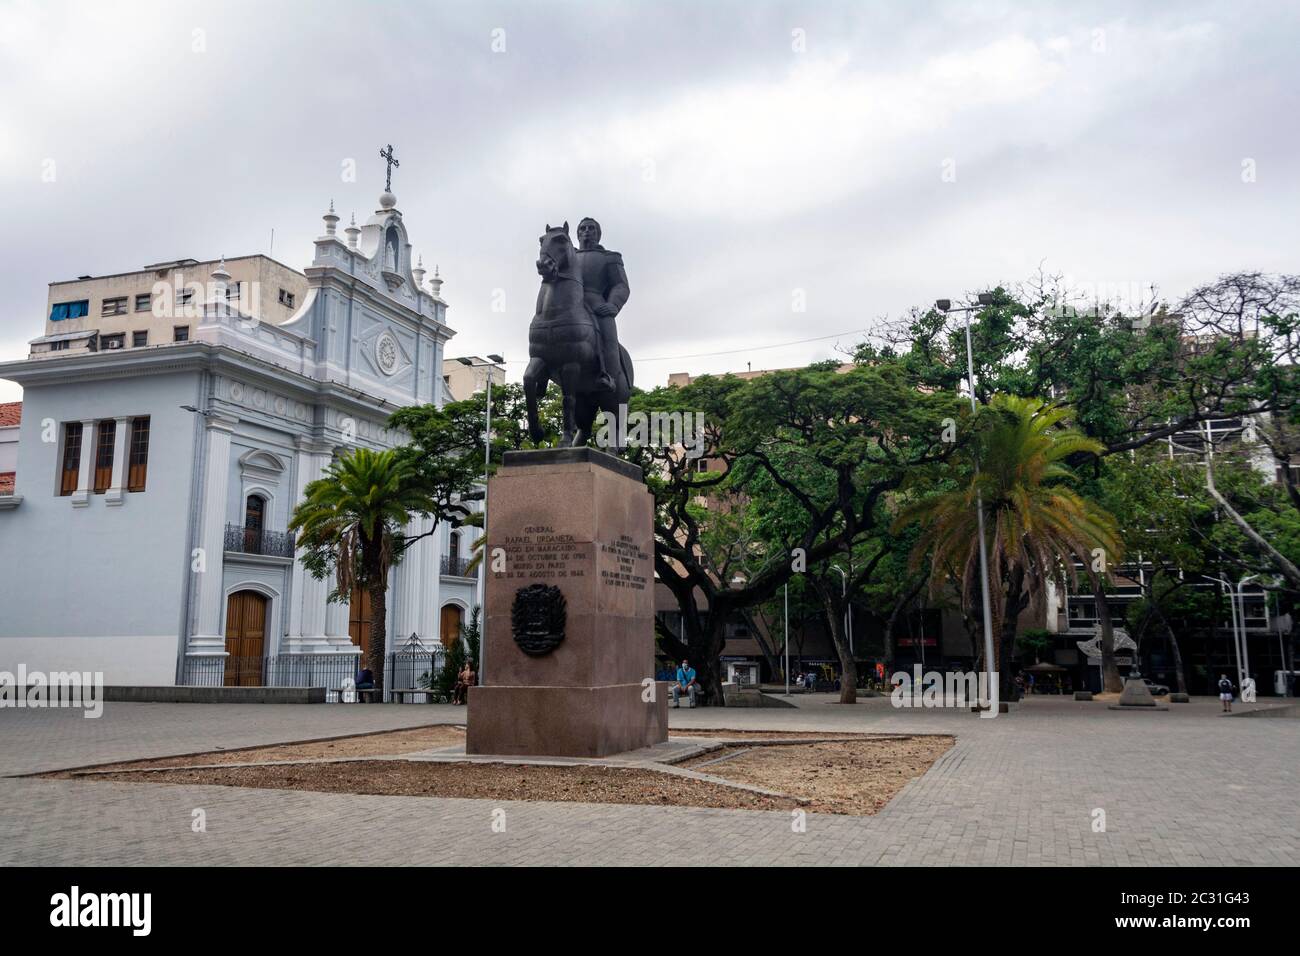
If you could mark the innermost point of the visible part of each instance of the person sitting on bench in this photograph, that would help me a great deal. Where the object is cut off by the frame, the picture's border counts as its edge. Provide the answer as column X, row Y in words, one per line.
column 365, row 677
column 685, row 682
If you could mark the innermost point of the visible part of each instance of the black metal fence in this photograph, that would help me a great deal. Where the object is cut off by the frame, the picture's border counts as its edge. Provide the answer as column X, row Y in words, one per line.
column 258, row 541
column 404, row 670
column 456, row 566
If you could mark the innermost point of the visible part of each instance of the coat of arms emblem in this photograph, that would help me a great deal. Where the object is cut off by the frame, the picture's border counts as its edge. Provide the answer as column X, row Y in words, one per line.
column 537, row 618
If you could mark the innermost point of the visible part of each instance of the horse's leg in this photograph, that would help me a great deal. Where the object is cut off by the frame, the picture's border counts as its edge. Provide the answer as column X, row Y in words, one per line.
column 569, row 376
column 534, row 385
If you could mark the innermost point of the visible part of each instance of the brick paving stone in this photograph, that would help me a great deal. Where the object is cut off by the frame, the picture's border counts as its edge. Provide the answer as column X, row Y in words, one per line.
column 1183, row 787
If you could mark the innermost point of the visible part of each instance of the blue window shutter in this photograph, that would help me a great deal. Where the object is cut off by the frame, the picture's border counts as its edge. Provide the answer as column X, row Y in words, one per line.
column 69, row 310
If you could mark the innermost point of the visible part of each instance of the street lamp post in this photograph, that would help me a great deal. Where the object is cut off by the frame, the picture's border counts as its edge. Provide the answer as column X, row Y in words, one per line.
column 1236, row 627
column 1241, row 603
column 785, row 629
column 945, row 306
column 488, row 366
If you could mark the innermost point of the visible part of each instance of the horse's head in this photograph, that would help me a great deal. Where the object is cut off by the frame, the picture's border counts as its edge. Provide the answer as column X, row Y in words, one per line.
column 556, row 257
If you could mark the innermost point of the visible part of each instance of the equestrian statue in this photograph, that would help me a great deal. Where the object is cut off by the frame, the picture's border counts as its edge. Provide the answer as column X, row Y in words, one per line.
column 573, row 338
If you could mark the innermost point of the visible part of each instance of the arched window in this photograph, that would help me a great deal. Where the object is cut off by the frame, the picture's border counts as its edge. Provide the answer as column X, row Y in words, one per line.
column 254, row 522
column 453, row 553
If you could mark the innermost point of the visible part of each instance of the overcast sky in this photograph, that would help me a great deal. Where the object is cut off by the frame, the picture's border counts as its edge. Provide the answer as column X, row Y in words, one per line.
column 744, row 157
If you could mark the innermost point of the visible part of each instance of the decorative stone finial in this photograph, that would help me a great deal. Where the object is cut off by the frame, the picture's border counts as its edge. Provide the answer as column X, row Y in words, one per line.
column 436, row 283
column 353, row 232
column 418, row 273
column 331, row 220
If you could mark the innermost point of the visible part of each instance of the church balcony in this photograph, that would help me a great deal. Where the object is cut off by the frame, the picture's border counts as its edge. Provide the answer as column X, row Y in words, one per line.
column 456, row 567
column 277, row 544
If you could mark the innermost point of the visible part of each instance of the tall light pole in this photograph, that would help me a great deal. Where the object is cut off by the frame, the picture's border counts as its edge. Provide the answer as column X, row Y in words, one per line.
column 1241, row 603
column 1236, row 628
column 785, row 628
column 488, row 366
column 945, row 306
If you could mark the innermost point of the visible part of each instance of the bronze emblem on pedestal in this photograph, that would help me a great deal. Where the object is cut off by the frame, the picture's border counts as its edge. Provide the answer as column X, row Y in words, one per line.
column 537, row 618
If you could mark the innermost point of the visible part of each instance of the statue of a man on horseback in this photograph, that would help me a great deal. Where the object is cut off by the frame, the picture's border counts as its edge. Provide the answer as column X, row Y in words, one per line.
column 605, row 290
column 573, row 339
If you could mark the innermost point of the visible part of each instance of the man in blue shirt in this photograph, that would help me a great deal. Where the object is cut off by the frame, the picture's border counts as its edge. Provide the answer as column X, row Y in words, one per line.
column 685, row 682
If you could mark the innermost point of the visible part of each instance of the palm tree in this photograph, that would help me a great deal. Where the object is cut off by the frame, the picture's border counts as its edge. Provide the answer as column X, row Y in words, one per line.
column 351, row 522
column 1038, row 524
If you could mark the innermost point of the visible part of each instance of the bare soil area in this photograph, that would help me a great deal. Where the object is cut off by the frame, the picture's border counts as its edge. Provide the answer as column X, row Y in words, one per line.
column 367, row 745
column 855, row 778
column 479, row 781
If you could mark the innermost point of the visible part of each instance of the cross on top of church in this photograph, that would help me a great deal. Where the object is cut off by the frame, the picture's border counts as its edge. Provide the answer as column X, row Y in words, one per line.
column 387, row 155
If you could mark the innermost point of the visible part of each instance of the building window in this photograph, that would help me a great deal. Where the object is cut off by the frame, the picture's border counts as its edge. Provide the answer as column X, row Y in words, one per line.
column 106, row 431
column 60, row 346
column 286, row 298
column 71, row 458
column 254, row 513
column 143, row 302
column 139, row 339
column 453, row 551
column 116, row 341
column 184, row 296
column 180, row 333
column 232, row 292
column 115, row 306
column 69, row 310
column 139, row 460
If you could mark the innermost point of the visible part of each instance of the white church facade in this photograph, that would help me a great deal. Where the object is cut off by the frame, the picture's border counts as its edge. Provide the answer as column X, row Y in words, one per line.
column 147, row 524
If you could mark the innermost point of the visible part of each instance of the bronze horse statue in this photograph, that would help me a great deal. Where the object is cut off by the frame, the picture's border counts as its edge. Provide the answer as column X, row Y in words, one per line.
column 563, row 347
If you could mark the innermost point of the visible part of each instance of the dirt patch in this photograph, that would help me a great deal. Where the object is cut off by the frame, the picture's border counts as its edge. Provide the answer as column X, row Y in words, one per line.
column 855, row 778
column 480, row 781
column 366, row 745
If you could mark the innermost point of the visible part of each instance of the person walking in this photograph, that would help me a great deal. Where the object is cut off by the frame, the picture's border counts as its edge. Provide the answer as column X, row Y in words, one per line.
column 1225, row 693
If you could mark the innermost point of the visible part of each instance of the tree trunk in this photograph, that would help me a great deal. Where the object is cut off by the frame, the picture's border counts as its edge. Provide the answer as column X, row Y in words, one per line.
column 1111, row 681
column 1013, row 603
column 378, row 629
column 377, row 585
column 834, row 606
column 1173, row 646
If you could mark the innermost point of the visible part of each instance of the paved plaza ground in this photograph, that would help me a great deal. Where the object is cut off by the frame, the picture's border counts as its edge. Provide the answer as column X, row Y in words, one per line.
column 1183, row 787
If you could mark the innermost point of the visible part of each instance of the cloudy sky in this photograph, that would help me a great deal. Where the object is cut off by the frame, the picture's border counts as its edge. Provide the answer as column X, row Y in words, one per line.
column 773, row 173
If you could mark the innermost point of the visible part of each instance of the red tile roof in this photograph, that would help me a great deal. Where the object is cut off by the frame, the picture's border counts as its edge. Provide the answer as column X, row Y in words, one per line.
column 11, row 413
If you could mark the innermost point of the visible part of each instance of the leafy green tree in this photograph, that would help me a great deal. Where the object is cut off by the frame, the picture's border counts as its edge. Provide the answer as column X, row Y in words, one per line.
column 813, row 452
column 1037, row 525
column 350, row 523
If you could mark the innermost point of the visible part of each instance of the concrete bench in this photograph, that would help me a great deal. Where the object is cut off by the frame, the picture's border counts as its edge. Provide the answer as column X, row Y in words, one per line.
column 369, row 695
column 400, row 694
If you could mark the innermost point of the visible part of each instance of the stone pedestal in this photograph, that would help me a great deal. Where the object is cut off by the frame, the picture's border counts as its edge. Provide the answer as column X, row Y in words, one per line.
column 579, row 520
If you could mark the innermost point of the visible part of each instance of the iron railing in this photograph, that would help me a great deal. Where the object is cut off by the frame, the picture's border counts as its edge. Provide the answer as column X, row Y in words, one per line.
column 337, row 673
column 455, row 566
column 243, row 540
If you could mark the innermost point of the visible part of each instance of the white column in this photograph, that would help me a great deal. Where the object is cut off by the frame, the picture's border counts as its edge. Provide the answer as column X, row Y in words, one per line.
column 431, row 593
column 207, row 637
column 86, row 469
column 307, row 610
column 410, row 575
column 117, row 490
